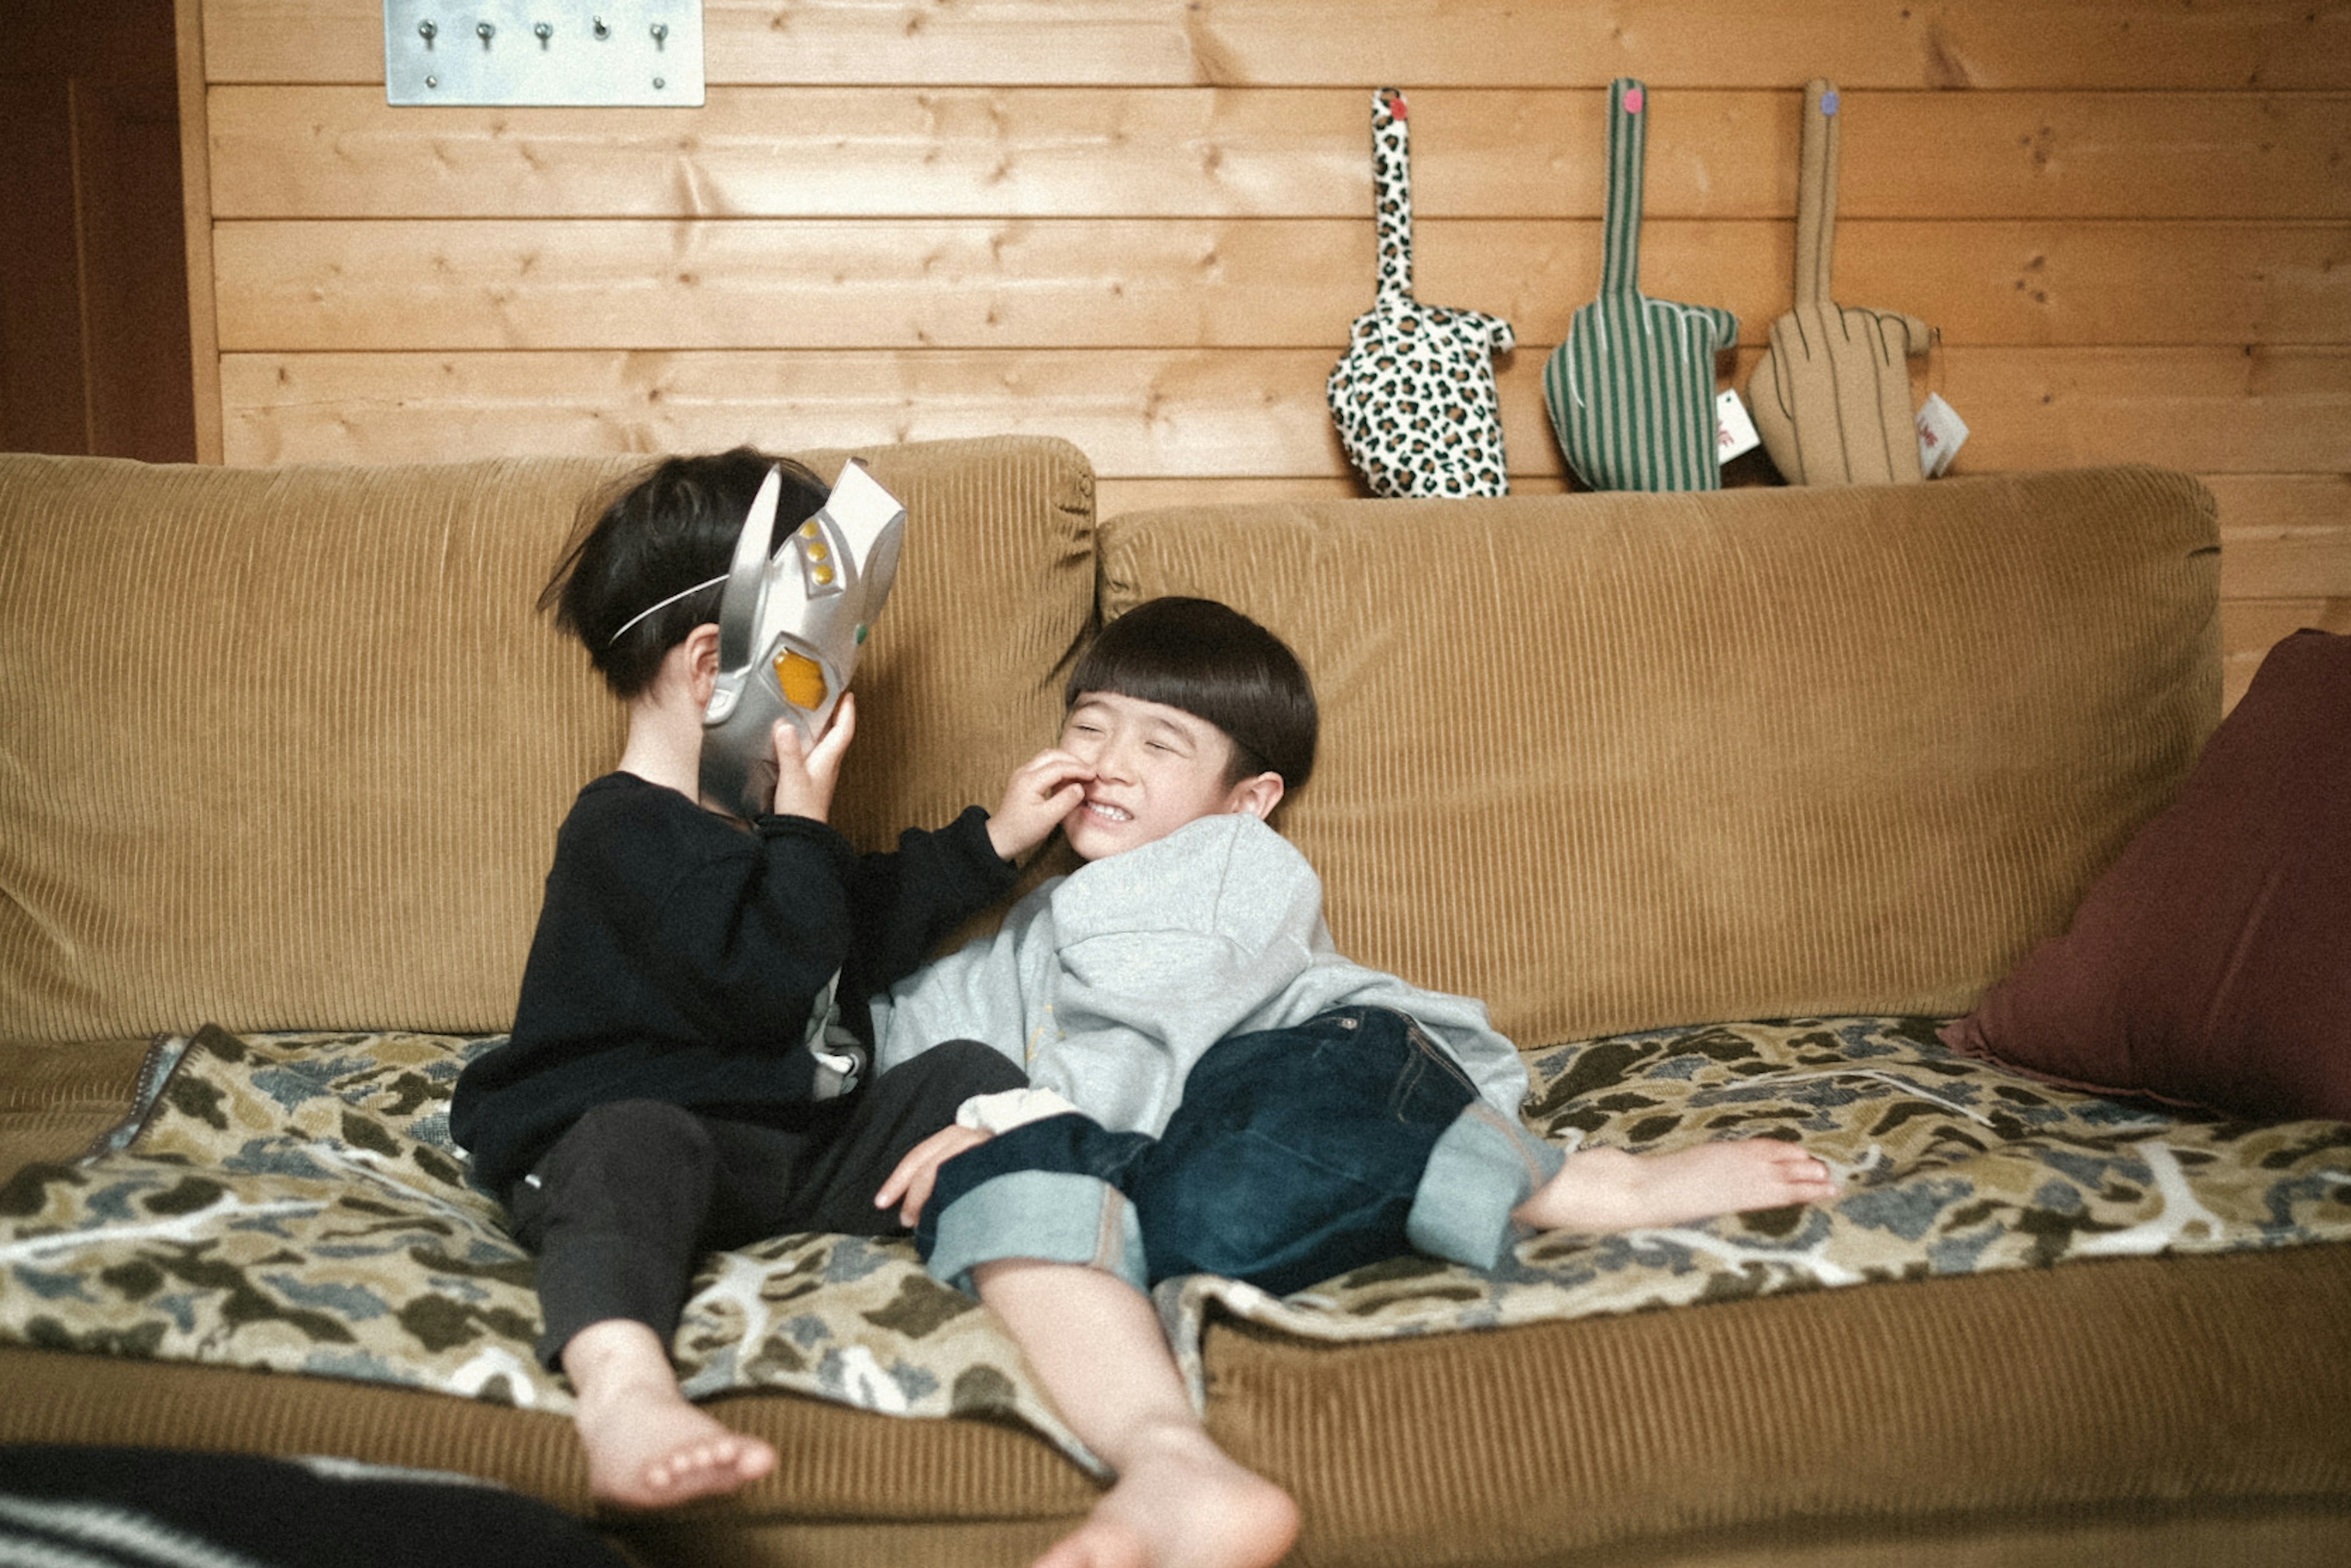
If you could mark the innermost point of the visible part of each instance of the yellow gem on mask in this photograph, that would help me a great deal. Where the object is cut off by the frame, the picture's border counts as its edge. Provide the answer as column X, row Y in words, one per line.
column 801, row 679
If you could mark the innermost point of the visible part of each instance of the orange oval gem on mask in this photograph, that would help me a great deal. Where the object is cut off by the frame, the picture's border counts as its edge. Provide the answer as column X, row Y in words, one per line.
column 801, row 679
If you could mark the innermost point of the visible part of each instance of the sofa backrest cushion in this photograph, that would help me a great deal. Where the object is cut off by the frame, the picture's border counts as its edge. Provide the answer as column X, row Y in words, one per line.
column 287, row 748
column 1616, row 761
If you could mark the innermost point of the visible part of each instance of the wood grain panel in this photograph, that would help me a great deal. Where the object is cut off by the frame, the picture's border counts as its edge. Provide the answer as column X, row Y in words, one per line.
column 1143, row 225
column 769, row 284
column 2284, row 536
column 912, row 284
column 2249, row 628
column 2210, row 410
column 1242, row 411
column 2165, row 154
column 1235, row 410
column 814, row 152
column 1957, row 44
column 2078, row 284
column 826, row 151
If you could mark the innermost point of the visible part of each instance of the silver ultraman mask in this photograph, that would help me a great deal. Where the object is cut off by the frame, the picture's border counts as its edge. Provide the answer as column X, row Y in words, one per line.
column 790, row 628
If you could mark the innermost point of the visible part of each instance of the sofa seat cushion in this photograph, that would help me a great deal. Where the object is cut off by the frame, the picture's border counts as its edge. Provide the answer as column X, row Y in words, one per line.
column 292, row 1203
column 287, row 748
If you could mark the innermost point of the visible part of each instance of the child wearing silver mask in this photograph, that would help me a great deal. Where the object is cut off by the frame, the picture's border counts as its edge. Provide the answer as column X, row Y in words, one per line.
column 667, row 1089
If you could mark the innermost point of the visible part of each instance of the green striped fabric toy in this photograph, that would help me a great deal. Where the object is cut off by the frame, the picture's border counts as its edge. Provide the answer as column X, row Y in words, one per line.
column 1631, row 392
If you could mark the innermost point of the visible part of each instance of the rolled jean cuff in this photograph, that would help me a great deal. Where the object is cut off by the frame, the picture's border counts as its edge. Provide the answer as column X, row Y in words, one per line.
column 1058, row 1216
column 1482, row 1166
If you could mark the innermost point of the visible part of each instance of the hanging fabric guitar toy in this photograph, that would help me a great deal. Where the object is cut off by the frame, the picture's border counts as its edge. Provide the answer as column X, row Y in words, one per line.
column 1414, row 395
column 1832, row 393
column 1631, row 391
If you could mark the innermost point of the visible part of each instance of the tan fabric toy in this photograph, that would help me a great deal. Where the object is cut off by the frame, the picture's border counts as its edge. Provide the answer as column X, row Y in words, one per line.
column 1832, row 393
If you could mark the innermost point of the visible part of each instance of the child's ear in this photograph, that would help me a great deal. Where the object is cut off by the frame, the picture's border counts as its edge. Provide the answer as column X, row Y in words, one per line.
column 701, row 660
column 1256, row 796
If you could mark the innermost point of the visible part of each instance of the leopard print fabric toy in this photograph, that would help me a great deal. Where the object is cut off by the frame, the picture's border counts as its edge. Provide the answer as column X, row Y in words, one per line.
column 1414, row 395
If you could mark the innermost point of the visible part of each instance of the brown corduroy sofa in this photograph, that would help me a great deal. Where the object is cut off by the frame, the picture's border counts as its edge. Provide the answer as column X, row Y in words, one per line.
column 285, row 750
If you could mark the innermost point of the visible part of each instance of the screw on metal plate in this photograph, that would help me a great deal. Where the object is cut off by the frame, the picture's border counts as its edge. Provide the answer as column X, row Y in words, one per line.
column 589, row 52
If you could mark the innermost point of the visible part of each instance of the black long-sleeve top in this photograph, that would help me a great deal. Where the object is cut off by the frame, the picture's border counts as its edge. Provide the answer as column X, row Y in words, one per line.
column 678, row 958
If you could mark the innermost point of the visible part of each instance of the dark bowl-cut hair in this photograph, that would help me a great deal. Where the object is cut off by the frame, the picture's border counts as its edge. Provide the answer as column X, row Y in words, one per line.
column 658, row 533
column 1214, row 663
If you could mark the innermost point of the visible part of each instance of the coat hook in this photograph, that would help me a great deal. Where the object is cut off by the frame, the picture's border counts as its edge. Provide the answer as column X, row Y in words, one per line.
column 545, row 52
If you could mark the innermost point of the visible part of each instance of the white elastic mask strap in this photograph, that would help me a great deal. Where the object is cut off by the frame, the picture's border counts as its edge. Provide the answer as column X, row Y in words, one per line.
column 673, row 598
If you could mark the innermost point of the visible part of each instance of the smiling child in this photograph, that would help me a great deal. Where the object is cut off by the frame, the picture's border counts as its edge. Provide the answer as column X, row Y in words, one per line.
column 1213, row 1087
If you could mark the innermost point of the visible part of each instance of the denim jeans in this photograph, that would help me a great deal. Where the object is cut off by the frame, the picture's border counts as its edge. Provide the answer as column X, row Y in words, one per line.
column 1297, row 1154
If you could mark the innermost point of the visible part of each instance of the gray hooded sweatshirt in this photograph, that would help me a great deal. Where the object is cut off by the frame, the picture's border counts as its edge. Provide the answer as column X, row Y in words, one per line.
column 1105, row 986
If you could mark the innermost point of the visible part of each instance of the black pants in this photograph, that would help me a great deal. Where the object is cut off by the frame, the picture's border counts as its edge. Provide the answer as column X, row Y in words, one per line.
column 621, row 1206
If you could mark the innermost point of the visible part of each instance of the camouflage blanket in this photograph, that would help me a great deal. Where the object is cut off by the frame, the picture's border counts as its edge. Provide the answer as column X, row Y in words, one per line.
column 292, row 1202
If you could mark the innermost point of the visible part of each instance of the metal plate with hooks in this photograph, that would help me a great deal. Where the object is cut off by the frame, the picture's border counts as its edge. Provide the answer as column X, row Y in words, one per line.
column 646, row 53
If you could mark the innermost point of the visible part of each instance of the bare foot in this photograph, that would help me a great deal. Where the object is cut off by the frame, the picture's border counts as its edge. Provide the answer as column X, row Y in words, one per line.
column 647, row 1445
column 1181, row 1503
column 1609, row 1189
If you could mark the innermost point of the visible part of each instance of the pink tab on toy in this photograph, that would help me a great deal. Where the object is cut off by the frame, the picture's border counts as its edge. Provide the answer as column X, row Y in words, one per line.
column 1633, row 100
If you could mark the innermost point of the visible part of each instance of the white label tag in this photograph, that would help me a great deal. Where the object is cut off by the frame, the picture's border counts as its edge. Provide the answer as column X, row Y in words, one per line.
column 1734, row 432
column 1941, row 434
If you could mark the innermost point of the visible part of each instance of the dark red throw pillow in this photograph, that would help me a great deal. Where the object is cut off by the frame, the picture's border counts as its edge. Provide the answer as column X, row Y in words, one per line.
column 2211, row 965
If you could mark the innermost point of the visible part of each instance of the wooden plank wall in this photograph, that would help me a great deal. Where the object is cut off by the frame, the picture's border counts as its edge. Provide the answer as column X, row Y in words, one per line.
column 1144, row 225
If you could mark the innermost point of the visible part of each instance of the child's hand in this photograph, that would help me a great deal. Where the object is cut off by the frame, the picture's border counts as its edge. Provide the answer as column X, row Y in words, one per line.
column 804, row 781
column 919, row 1171
column 1040, row 792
